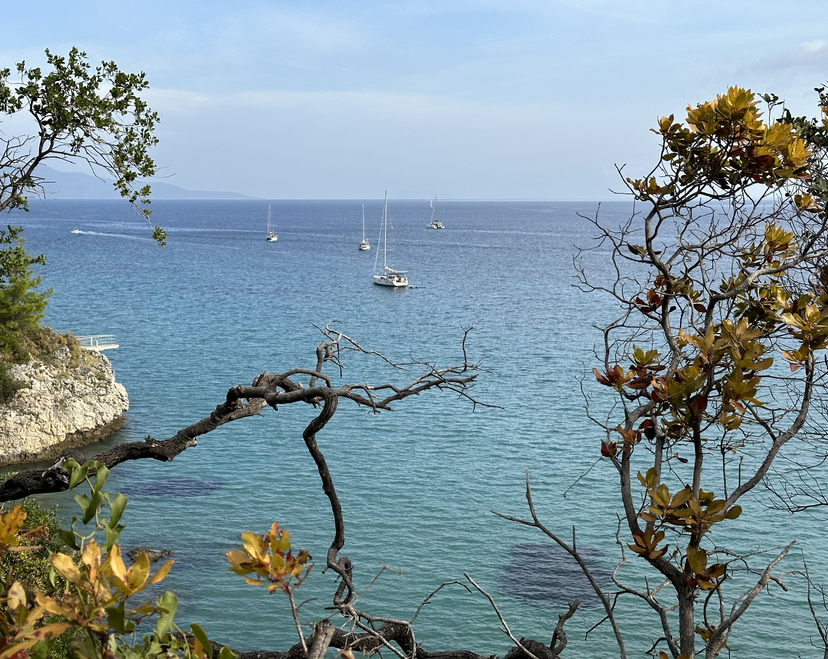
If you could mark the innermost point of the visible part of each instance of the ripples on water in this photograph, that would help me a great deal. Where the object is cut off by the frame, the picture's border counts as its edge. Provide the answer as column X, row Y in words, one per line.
column 219, row 305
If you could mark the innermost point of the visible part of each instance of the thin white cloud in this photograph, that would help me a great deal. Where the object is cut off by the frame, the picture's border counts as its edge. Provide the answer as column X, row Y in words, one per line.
column 180, row 102
column 806, row 57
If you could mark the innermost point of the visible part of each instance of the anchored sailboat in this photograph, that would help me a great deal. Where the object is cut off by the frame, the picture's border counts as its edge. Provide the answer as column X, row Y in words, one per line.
column 435, row 223
column 388, row 276
column 271, row 235
column 364, row 246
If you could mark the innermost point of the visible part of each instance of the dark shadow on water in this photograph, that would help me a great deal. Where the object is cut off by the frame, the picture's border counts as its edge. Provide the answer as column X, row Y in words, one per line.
column 546, row 574
column 170, row 487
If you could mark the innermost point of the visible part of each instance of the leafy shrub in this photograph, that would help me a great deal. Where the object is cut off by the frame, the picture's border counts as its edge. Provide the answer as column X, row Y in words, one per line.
column 8, row 385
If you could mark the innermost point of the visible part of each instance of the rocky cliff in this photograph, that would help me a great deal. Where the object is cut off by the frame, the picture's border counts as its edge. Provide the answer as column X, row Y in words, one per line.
column 71, row 399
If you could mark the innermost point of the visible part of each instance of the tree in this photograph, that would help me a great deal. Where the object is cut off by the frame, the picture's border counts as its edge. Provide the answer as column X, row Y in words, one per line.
column 21, row 305
column 74, row 113
column 716, row 357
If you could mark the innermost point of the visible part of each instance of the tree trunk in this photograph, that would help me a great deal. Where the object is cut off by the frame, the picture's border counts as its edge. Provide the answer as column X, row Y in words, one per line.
column 687, row 623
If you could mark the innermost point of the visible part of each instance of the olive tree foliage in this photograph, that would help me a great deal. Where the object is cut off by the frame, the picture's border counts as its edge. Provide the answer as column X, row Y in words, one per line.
column 716, row 357
column 73, row 112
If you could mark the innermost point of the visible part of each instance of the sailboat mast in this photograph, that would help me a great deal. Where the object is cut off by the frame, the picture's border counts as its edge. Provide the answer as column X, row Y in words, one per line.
column 363, row 222
column 385, row 234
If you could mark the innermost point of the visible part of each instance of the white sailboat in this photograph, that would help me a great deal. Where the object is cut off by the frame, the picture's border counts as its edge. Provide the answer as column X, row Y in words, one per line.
column 272, row 237
column 435, row 223
column 388, row 276
column 364, row 246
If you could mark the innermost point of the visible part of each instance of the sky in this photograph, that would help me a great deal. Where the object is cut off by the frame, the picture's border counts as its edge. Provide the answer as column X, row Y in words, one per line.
column 487, row 99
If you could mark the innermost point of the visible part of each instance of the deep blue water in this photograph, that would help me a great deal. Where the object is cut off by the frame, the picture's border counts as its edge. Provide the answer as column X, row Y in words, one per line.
column 219, row 305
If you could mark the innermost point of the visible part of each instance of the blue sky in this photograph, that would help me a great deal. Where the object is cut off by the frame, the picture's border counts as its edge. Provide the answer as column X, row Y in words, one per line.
column 466, row 99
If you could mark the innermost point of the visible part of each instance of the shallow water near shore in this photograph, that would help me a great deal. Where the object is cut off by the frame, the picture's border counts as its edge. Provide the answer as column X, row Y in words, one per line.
column 219, row 305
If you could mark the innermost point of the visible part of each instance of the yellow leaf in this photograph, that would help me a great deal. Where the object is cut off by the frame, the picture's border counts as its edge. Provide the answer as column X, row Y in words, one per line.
column 10, row 522
column 681, row 497
column 91, row 558
column 115, row 564
column 277, row 563
column 161, row 573
column 237, row 558
column 16, row 596
column 283, row 543
column 254, row 545
column 66, row 567
column 137, row 575
column 55, row 629
column 17, row 648
column 51, row 606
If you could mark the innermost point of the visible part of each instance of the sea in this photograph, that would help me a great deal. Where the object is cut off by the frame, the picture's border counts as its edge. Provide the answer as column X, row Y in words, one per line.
column 219, row 305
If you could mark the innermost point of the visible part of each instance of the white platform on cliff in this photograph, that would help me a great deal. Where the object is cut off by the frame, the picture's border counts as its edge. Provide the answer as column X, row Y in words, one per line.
column 98, row 342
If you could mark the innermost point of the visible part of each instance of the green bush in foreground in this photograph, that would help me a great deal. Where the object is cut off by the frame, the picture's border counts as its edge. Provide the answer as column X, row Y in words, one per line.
column 63, row 594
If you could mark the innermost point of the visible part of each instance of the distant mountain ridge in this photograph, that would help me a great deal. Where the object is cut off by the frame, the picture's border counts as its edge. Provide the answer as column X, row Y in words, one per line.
column 76, row 185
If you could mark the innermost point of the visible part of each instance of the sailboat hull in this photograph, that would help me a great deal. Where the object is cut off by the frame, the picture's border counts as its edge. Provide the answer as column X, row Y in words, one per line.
column 393, row 281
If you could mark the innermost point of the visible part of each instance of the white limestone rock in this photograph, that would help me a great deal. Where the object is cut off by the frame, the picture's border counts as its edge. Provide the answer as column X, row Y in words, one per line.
column 67, row 403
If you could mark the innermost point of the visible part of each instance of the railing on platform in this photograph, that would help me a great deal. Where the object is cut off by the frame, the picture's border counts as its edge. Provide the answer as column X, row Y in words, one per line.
column 98, row 342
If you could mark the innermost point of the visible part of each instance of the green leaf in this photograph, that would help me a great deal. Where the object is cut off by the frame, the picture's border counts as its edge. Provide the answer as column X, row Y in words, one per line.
column 167, row 604
column 84, row 646
column 661, row 496
column 68, row 538
column 101, row 474
column 115, row 617
column 198, row 632
column 92, row 507
column 76, row 472
column 733, row 512
column 116, row 508
column 697, row 558
column 227, row 653
column 714, row 506
column 681, row 497
column 83, row 501
column 112, row 534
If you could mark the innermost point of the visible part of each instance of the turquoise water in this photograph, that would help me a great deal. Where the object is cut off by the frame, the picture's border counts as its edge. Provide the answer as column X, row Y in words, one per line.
column 219, row 305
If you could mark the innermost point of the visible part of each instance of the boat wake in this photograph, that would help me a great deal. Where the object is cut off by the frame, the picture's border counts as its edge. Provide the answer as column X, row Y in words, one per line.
column 112, row 235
